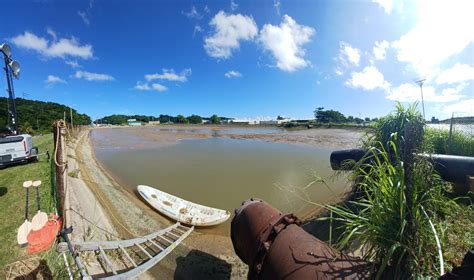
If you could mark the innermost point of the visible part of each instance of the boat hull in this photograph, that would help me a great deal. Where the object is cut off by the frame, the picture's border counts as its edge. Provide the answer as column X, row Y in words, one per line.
column 181, row 210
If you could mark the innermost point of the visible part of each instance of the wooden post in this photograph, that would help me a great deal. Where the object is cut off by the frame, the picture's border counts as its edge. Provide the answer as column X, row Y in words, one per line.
column 60, row 163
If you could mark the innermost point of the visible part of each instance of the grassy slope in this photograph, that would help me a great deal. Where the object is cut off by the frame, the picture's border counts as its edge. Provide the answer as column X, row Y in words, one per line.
column 12, row 199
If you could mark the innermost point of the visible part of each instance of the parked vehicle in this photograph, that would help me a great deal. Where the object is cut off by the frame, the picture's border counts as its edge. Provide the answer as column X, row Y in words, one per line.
column 17, row 149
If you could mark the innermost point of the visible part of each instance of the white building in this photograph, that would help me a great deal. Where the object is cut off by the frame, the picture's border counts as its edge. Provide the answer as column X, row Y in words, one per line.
column 275, row 122
column 248, row 122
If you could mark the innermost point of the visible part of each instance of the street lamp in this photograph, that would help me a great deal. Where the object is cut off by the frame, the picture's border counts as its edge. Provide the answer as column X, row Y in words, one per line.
column 420, row 83
column 12, row 68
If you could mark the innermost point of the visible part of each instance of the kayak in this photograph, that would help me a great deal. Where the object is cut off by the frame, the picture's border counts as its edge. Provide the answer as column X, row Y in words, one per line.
column 181, row 210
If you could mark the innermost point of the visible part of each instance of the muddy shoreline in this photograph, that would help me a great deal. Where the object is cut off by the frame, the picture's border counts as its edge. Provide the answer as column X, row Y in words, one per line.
column 203, row 254
column 146, row 136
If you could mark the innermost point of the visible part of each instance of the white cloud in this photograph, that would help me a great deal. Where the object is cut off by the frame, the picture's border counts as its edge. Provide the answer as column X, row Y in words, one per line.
column 51, row 32
column 349, row 54
column 387, row 5
column 170, row 75
column 285, row 42
column 229, row 30
column 277, row 5
column 454, row 90
column 380, row 49
column 369, row 78
column 197, row 29
column 51, row 79
column 159, row 87
column 233, row 6
column 73, row 63
column 444, row 29
column 193, row 13
column 88, row 76
column 84, row 17
column 233, row 74
column 410, row 93
column 86, row 14
column 57, row 48
column 458, row 73
column 142, row 86
column 347, row 58
column 146, row 87
column 463, row 107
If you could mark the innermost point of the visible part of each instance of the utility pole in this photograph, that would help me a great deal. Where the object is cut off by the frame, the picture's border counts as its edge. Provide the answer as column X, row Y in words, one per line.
column 72, row 123
column 420, row 83
column 12, row 69
column 70, row 111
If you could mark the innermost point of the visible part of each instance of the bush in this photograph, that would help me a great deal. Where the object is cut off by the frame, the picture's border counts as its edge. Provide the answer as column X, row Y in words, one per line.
column 398, row 198
column 437, row 141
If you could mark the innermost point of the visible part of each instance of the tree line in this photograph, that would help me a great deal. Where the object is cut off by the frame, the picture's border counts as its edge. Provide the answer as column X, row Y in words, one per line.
column 38, row 116
column 332, row 116
column 164, row 119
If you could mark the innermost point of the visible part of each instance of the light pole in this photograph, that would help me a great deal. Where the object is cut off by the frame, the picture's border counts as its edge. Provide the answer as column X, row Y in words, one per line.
column 12, row 68
column 420, row 83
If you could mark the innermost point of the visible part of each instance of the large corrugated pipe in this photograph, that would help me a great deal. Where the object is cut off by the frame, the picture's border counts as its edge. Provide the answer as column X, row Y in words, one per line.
column 274, row 246
column 451, row 168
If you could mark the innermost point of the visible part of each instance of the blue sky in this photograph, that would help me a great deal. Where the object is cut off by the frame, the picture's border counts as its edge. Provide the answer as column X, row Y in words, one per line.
column 246, row 59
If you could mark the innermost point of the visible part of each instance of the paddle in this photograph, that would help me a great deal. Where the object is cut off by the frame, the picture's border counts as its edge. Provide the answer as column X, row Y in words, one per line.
column 40, row 219
column 25, row 228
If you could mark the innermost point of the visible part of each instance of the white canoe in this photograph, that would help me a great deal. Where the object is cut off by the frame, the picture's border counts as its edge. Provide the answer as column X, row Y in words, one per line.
column 182, row 210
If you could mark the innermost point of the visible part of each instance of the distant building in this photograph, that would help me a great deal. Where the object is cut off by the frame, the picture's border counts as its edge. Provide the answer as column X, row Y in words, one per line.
column 154, row 122
column 226, row 121
column 133, row 122
column 275, row 122
column 302, row 121
column 248, row 122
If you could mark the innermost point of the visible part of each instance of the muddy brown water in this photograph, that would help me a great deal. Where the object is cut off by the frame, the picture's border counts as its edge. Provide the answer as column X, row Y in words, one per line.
column 220, row 171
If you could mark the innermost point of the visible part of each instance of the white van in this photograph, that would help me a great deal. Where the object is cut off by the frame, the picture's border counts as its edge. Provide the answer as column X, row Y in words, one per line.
column 16, row 149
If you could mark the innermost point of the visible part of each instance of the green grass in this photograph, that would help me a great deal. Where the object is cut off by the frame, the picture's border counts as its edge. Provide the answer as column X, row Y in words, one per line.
column 437, row 141
column 12, row 205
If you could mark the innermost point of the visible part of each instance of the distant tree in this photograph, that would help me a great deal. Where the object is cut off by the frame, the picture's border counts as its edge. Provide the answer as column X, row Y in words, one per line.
column 194, row 119
column 358, row 120
column 215, row 119
column 164, row 119
column 350, row 119
column 280, row 118
column 328, row 116
column 181, row 119
column 26, row 128
column 367, row 119
column 39, row 114
column 375, row 119
column 434, row 120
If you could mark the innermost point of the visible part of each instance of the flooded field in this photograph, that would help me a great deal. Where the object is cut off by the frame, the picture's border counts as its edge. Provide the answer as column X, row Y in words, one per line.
column 219, row 168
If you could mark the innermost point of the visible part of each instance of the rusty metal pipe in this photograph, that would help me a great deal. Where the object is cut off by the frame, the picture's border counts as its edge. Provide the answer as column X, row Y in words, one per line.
column 274, row 246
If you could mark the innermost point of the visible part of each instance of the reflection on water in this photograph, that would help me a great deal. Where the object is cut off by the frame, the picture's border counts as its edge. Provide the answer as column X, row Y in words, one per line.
column 222, row 172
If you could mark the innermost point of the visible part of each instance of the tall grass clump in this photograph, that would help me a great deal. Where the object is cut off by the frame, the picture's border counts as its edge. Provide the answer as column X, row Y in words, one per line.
column 401, row 214
column 437, row 141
